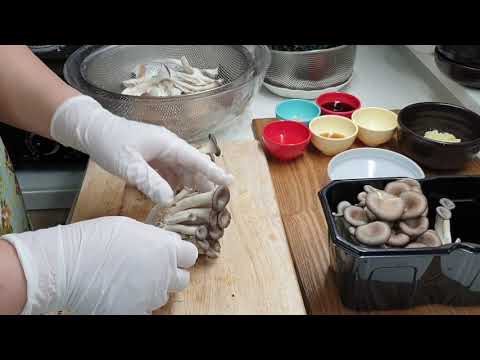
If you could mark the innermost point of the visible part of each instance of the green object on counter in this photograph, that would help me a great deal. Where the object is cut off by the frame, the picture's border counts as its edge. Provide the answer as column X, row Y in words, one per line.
column 13, row 214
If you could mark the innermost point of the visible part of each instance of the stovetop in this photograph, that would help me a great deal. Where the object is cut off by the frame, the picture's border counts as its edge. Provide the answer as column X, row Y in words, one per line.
column 49, row 174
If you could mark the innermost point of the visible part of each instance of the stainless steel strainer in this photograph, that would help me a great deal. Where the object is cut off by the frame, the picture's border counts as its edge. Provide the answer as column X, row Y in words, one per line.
column 98, row 71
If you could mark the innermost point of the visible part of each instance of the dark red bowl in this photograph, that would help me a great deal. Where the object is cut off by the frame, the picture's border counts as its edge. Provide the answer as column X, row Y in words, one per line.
column 286, row 140
column 344, row 98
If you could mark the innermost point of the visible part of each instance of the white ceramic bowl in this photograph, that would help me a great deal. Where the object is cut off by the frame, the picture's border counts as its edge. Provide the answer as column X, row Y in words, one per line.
column 372, row 163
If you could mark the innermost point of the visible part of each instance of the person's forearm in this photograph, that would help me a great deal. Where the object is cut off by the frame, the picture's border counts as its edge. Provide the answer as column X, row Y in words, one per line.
column 13, row 285
column 30, row 91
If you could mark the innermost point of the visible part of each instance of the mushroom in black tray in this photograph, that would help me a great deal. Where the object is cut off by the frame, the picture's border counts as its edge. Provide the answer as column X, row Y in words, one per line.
column 396, row 217
column 385, row 206
column 398, row 239
column 355, row 216
column 374, row 234
column 415, row 204
column 414, row 227
column 442, row 224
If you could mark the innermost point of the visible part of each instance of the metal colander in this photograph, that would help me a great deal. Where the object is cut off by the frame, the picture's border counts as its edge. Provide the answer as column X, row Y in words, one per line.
column 311, row 70
column 98, row 71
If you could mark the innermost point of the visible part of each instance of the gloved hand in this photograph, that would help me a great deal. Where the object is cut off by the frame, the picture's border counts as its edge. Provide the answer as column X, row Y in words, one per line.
column 124, row 148
column 111, row 265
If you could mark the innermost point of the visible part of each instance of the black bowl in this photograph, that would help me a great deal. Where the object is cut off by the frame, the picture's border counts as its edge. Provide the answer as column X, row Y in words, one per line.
column 414, row 120
column 462, row 74
column 468, row 55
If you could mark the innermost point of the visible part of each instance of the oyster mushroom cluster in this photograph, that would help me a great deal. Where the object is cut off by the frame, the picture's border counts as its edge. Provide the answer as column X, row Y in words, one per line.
column 170, row 77
column 396, row 217
column 198, row 217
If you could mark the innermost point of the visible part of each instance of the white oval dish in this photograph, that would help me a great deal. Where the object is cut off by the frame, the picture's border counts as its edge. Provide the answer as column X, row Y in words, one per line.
column 372, row 163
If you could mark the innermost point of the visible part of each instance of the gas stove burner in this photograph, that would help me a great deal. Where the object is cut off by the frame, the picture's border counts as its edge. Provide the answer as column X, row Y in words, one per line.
column 40, row 147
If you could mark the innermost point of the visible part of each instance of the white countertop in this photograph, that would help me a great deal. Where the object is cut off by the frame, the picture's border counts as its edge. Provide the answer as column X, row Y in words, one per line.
column 385, row 75
column 470, row 98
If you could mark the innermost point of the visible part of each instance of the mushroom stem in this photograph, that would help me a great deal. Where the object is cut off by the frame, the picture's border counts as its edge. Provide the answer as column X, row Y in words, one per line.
column 211, row 147
column 180, row 217
column 442, row 224
column 217, row 199
column 200, row 232
column 184, row 193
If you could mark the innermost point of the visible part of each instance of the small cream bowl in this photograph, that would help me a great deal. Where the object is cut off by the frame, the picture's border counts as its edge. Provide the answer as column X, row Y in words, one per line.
column 376, row 126
column 332, row 134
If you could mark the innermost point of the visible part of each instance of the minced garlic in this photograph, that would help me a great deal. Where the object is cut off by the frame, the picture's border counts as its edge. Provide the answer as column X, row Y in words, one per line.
column 439, row 136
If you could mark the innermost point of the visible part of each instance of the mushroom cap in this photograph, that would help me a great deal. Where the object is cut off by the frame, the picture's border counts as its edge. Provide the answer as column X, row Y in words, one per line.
column 215, row 233
column 223, row 219
column 201, row 232
column 414, row 227
column 368, row 189
column 398, row 239
column 397, row 187
column 342, row 205
column 414, row 184
column 361, row 198
column 374, row 234
column 447, row 203
column 385, row 206
column 415, row 245
column 425, row 213
column 355, row 216
column 443, row 212
column 415, row 204
column 351, row 230
column 221, row 198
column 430, row 239
column 371, row 216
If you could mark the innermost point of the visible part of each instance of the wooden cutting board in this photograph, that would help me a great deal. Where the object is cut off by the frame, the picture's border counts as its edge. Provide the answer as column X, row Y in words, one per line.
column 297, row 184
column 255, row 272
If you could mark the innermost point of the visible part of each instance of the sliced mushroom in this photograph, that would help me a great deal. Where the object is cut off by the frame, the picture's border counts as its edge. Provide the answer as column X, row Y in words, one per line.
column 447, row 203
column 355, row 216
column 397, row 187
column 374, row 234
column 414, row 227
column 415, row 204
column 442, row 224
column 398, row 239
column 385, row 206
column 429, row 239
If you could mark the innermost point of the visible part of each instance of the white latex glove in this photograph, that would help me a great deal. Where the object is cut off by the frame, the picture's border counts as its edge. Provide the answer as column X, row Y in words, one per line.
column 131, row 150
column 111, row 265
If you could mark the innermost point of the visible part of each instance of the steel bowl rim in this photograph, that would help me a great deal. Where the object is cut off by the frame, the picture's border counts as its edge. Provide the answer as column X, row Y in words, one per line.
column 309, row 52
column 464, row 144
column 87, row 86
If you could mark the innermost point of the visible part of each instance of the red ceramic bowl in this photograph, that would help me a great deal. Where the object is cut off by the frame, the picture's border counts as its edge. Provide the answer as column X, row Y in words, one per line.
column 324, row 100
column 286, row 140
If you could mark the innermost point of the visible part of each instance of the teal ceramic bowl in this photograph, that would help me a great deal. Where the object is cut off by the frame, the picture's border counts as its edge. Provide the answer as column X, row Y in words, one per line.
column 297, row 110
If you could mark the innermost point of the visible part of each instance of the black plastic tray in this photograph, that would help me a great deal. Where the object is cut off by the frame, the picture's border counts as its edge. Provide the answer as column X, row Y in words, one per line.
column 381, row 279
